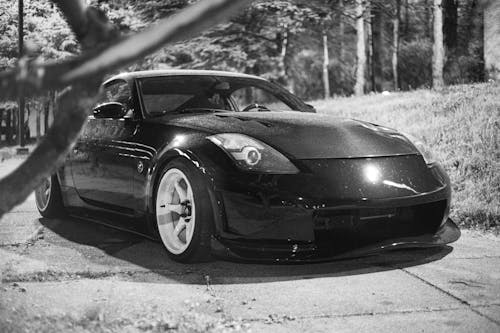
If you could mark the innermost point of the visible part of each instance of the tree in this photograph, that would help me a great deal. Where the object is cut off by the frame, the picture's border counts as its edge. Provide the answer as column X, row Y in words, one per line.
column 438, row 48
column 104, row 51
column 377, row 24
column 326, row 62
column 427, row 18
column 450, row 23
column 360, row 48
column 341, row 31
column 492, row 38
column 395, row 43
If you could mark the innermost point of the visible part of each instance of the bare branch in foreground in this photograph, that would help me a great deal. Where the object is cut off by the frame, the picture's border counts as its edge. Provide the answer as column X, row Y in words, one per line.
column 83, row 73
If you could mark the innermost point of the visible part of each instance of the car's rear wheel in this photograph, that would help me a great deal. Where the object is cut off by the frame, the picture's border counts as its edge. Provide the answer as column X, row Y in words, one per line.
column 184, row 215
column 48, row 198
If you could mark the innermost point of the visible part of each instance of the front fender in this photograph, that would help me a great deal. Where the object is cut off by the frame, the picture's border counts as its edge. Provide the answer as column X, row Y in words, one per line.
column 207, row 158
column 159, row 164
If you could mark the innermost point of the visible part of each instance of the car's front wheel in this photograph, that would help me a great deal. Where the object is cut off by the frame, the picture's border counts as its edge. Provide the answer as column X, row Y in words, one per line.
column 184, row 215
column 48, row 198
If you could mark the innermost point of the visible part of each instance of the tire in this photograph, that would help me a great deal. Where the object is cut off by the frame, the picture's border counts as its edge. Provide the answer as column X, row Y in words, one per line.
column 184, row 216
column 48, row 198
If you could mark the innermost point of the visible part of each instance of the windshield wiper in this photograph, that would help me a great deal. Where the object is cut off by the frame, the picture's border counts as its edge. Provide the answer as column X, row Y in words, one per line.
column 199, row 110
column 188, row 110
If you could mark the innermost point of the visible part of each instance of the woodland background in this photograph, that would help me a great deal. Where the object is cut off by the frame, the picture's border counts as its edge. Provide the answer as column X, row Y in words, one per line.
column 286, row 41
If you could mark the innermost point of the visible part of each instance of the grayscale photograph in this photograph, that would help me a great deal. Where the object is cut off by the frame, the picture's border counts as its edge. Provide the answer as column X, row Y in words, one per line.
column 250, row 166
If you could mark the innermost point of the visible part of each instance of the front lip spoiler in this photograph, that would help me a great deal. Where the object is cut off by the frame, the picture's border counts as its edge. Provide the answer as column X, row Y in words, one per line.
column 227, row 249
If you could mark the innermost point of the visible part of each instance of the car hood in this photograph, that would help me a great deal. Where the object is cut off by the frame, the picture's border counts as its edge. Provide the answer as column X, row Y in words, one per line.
column 301, row 135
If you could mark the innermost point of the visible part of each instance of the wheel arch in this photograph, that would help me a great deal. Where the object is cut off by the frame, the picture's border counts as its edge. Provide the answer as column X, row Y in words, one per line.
column 162, row 162
column 156, row 171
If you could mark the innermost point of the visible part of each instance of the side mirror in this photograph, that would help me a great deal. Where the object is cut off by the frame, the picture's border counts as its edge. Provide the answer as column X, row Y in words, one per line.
column 112, row 110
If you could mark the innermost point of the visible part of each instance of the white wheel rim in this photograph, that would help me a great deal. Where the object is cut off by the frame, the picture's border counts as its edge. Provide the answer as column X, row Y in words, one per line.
column 175, row 211
column 42, row 194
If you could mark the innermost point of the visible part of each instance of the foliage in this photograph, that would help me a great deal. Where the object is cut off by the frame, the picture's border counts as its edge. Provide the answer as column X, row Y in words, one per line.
column 252, row 42
column 44, row 28
column 122, row 14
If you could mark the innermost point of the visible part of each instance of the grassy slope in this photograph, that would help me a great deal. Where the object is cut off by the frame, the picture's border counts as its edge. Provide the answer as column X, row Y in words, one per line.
column 461, row 125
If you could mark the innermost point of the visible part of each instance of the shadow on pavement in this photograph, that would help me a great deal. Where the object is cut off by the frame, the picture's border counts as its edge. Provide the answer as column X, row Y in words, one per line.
column 151, row 256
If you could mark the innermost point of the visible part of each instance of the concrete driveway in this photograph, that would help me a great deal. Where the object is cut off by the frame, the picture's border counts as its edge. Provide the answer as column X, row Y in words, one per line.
column 70, row 275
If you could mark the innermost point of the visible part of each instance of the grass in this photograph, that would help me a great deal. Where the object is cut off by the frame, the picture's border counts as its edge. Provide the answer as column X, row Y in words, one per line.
column 460, row 124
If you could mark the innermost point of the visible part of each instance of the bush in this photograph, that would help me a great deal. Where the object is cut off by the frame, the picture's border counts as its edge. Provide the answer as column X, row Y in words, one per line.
column 465, row 68
column 415, row 64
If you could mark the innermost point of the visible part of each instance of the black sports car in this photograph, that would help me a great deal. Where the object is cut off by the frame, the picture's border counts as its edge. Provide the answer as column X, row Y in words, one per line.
column 232, row 165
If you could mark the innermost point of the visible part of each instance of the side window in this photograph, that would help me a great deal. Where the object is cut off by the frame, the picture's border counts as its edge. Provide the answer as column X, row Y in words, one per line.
column 116, row 91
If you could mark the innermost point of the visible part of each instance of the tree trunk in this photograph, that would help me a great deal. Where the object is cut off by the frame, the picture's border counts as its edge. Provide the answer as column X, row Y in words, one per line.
column 38, row 112
column 395, row 44
column 283, row 42
column 326, row 62
column 377, row 25
column 369, row 53
column 450, row 9
column 360, row 49
column 407, row 20
column 341, row 32
column 26, row 127
column 11, row 128
column 492, row 39
column 21, row 101
column 438, row 47
column 473, row 19
column 428, row 23
column 48, row 105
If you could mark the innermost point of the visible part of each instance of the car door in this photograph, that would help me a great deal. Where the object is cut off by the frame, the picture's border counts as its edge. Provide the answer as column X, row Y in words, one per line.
column 103, row 162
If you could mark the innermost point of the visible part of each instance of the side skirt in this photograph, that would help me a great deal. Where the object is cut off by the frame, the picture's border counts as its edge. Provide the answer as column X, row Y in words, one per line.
column 112, row 226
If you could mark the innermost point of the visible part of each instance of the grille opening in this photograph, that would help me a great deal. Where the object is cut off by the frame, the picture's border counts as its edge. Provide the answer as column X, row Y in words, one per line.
column 342, row 230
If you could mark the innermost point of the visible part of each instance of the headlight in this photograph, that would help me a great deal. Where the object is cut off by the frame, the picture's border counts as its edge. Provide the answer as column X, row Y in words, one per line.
column 422, row 148
column 250, row 154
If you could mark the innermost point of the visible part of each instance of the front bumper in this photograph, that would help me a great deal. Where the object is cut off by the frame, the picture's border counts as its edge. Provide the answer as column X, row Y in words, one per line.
column 332, row 209
column 295, row 252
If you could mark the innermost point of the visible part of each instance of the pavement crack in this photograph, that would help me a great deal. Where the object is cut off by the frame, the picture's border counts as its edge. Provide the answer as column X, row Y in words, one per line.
column 472, row 284
column 479, row 257
column 357, row 314
column 436, row 287
column 451, row 295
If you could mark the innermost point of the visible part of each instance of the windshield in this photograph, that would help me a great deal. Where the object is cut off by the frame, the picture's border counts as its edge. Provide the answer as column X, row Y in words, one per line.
column 203, row 93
